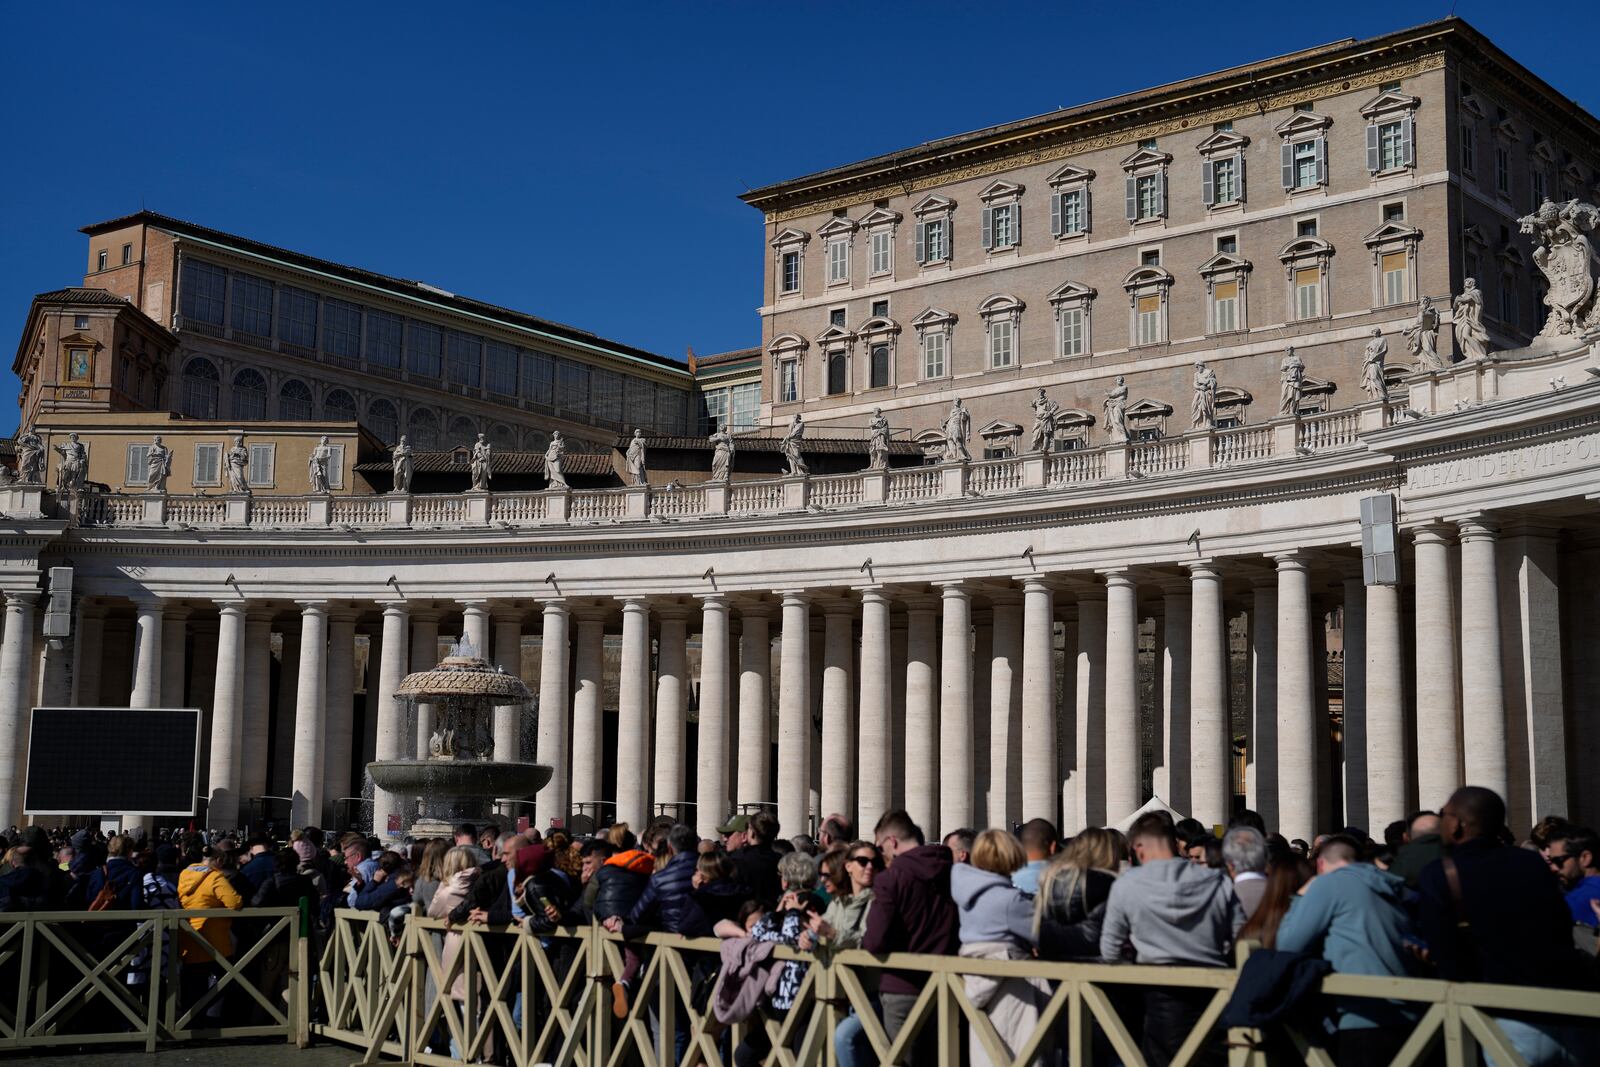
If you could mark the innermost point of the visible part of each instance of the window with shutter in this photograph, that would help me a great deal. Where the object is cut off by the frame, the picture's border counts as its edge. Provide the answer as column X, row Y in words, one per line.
column 837, row 372
column 1132, row 190
column 1374, row 149
column 1408, row 141
column 1002, row 348
column 1055, row 214
column 934, row 348
column 336, row 467
column 207, row 464
column 881, row 251
column 880, row 366
column 788, row 381
column 922, row 242
column 988, row 229
column 1072, row 340
column 1308, row 292
column 1225, row 307
column 1394, row 266
column 137, row 474
column 1148, row 316
column 791, row 272
column 1161, row 194
column 260, row 472
column 1322, row 161
column 1208, row 182
column 838, row 260
column 1286, row 154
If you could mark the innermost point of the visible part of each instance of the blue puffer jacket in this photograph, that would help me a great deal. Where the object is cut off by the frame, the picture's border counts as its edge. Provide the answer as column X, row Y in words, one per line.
column 668, row 904
column 126, row 882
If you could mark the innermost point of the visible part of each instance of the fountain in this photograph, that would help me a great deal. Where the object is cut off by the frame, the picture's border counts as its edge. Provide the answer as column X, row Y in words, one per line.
column 460, row 779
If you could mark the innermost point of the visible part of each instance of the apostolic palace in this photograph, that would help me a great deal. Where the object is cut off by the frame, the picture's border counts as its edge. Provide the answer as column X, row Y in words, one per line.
column 1231, row 442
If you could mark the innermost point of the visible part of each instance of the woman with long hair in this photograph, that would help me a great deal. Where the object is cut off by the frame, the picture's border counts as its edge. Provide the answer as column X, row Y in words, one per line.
column 996, row 923
column 1285, row 876
column 430, row 872
column 1072, row 896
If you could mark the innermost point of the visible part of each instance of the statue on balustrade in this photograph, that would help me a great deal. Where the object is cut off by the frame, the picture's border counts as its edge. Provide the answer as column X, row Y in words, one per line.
column 1471, row 338
column 400, row 460
column 482, row 465
column 635, row 459
column 1045, row 412
column 721, row 454
column 957, row 428
column 878, row 441
column 157, row 466
column 1116, row 407
column 238, row 463
column 317, row 466
column 791, row 448
column 1203, row 411
column 1422, row 337
column 554, row 477
column 1566, row 255
column 1293, row 371
column 1372, row 366
column 74, row 467
column 30, row 458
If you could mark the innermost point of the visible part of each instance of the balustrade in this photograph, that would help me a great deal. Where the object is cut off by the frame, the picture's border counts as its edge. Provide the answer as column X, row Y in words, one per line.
column 1076, row 466
column 279, row 511
column 679, row 502
column 835, row 491
column 755, row 497
column 360, row 510
column 598, row 505
column 197, row 510
column 1241, row 444
column 438, row 510
column 1324, row 433
column 1158, row 457
column 519, row 507
column 995, row 476
column 915, row 483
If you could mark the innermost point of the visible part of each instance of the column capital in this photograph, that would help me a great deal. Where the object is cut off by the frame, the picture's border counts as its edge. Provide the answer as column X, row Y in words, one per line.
column 1432, row 532
column 875, row 594
column 1296, row 560
column 257, row 612
column 554, row 606
column 505, row 616
column 22, row 596
column 713, row 601
column 233, row 608
column 1203, row 570
column 590, row 613
column 673, row 612
column 312, row 607
column 1119, row 578
column 636, row 604
column 958, row 590
column 1477, row 527
column 344, row 613
column 839, row 606
column 793, row 595
column 179, row 612
column 148, row 602
column 1036, row 583
column 920, row 603
column 394, row 607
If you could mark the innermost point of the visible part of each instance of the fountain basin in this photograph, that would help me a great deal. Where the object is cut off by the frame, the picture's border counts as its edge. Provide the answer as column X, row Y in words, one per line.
column 456, row 791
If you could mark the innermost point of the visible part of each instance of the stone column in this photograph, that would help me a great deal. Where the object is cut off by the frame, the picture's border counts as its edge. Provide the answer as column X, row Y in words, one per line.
column 87, row 651
column 174, row 645
column 875, row 793
column 1177, row 668
column 55, row 672
column 1357, row 803
column 257, row 704
column 1209, row 741
column 672, row 690
column 1297, row 722
column 1438, row 744
column 1535, row 613
column 1123, row 792
column 1006, row 752
column 508, row 717
column 391, row 736
column 147, row 632
column 1483, row 704
column 227, row 717
column 1261, row 766
column 922, row 723
column 838, row 713
column 982, row 655
column 897, row 707
column 1090, row 698
column 711, row 768
column 311, row 696
column 475, row 627
column 16, row 658
column 794, row 716
column 755, row 697
column 633, row 715
column 424, row 657
column 1386, row 774
column 281, row 775
column 1040, row 778
column 955, row 710
column 339, row 714
column 551, row 747
column 588, row 710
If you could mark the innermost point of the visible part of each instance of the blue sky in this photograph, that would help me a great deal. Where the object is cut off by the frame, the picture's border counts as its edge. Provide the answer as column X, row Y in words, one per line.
column 578, row 161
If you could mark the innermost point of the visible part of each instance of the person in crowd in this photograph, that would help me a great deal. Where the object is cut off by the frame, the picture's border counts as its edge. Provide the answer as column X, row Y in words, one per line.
column 565, row 851
column 1169, row 911
column 286, row 887
column 1352, row 913
column 621, row 878
column 805, row 843
column 996, row 923
column 959, row 842
column 385, row 890
column 1573, row 852
column 258, row 864
column 837, row 832
column 429, row 872
column 1543, row 830
column 1071, row 903
column 798, row 903
column 1039, row 841
column 667, row 904
column 494, row 898
column 912, row 910
column 841, row 927
column 830, row 865
column 64, row 856
column 466, row 836
column 1244, row 850
column 1285, row 876
column 159, row 886
column 749, row 841
column 1421, row 847
column 1493, row 913
column 359, row 865
column 717, row 889
column 125, row 879
column 1300, row 847
column 202, row 886
column 458, row 874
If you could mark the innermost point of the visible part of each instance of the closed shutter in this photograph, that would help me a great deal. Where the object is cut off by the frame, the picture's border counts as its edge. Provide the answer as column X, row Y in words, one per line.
column 922, row 242
column 1055, row 214
column 1016, row 224
column 1088, row 223
column 207, row 464
column 1322, row 161
column 1208, row 182
column 137, row 474
column 1408, row 140
column 1374, row 151
column 988, row 229
column 1133, row 198
column 1287, row 156
column 1161, row 194
column 336, row 467
column 260, row 470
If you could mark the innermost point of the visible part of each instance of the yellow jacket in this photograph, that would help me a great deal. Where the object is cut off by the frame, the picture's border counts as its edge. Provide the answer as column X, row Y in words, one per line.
column 202, row 887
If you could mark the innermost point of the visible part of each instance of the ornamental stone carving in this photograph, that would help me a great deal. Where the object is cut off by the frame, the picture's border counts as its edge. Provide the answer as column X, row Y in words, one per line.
column 554, row 477
column 30, row 458
column 957, row 428
column 74, row 466
column 401, row 462
column 238, row 463
column 157, row 466
column 1203, row 410
column 1422, row 337
column 721, row 454
column 877, row 441
column 1116, row 407
column 635, row 459
column 1565, row 254
column 1467, row 315
column 1045, row 412
column 1292, row 381
column 482, row 464
column 791, row 448
column 1372, row 366
column 317, row 466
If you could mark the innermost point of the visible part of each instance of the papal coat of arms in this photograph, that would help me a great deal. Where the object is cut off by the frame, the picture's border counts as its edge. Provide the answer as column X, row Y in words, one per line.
column 1566, row 255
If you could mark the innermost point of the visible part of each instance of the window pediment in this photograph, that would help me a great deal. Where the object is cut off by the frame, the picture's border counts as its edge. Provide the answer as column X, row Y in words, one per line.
column 1069, row 175
column 1070, row 291
column 934, row 204
column 1302, row 123
column 80, row 340
column 877, row 327
column 788, row 342
column 999, row 428
column 1310, row 386
column 1145, row 277
column 790, row 239
column 1506, row 130
column 1148, row 409
column 1512, row 256
column 933, row 317
column 1073, row 417
column 1145, row 159
column 1224, row 263
column 1222, row 142
column 1543, row 151
column 1470, row 106
column 1001, row 192
column 880, row 216
column 834, row 335
column 1574, row 173
column 1003, row 304
column 1233, row 396
column 1305, row 248
column 1389, row 102
column 1392, row 233
column 838, row 226
column 1472, row 235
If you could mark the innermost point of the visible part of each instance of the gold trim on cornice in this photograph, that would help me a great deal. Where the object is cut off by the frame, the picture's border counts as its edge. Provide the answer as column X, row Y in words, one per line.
column 890, row 183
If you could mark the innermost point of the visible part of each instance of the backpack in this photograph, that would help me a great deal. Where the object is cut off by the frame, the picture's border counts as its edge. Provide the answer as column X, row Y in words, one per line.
column 106, row 899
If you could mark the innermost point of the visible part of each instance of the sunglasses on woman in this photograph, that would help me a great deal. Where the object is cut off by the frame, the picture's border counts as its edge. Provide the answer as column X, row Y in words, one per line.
column 864, row 861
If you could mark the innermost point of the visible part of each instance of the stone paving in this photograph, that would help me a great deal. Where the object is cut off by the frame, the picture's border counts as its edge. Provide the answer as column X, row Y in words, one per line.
column 236, row 1054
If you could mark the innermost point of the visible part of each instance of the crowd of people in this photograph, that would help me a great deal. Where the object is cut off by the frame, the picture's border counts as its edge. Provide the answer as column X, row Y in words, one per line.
column 1448, row 894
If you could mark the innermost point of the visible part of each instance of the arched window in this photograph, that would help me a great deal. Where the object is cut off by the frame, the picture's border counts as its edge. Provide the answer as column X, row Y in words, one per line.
column 249, row 396
column 423, row 429
column 463, row 431
column 200, row 380
column 340, row 406
column 294, row 400
column 382, row 419
column 536, row 441
column 502, row 437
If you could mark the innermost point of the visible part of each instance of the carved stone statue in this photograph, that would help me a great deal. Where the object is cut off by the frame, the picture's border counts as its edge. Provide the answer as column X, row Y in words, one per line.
column 1116, row 407
column 238, row 462
column 30, row 458
column 400, row 458
column 1471, row 338
column 635, row 460
column 74, row 466
column 791, row 448
column 957, row 428
column 877, row 441
column 1292, row 380
column 721, row 454
column 482, row 464
column 1566, row 255
column 317, row 466
column 1422, row 337
column 1203, row 411
column 554, row 477
column 1372, row 366
column 1045, row 411
column 157, row 466
column 442, row 745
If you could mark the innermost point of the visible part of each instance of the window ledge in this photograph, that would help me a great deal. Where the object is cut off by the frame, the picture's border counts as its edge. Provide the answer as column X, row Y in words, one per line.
column 841, row 284
column 1008, row 252
column 1078, row 237
column 1232, row 207
column 1307, row 192
column 1152, row 222
column 935, row 266
column 1239, row 332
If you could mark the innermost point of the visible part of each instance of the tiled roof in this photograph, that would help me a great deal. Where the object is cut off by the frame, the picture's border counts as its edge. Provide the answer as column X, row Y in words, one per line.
column 717, row 358
column 504, row 463
column 81, row 296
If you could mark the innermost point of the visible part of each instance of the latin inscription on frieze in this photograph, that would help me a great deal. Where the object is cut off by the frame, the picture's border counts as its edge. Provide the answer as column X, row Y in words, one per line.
column 1518, row 463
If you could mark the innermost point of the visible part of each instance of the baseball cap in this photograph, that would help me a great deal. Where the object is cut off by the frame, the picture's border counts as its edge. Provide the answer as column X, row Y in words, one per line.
column 736, row 824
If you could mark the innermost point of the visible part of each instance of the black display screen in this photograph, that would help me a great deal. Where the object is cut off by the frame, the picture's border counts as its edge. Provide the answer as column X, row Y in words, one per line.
column 123, row 761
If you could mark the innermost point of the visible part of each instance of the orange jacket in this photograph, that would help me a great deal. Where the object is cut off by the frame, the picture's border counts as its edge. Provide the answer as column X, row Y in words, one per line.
column 202, row 887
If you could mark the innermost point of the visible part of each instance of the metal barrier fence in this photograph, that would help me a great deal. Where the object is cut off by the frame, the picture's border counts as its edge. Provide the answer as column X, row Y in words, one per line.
column 64, row 979
column 536, row 999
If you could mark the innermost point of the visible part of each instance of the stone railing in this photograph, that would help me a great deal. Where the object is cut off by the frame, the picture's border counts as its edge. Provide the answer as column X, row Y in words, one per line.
column 679, row 501
column 280, row 511
column 836, row 490
column 1241, row 444
column 917, row 483
column 360, row 511
column 591, row 505
column 1327, row 433
column 519, row 507
column 1158, row 457
column 747, row 498
column 995, row 476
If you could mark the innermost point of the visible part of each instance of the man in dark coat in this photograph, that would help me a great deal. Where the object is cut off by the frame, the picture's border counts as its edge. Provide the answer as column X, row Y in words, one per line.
column 748, row 839
column 667, row 903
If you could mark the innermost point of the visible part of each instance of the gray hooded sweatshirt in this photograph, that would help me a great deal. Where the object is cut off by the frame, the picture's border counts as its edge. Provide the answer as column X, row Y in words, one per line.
column 1172, row 911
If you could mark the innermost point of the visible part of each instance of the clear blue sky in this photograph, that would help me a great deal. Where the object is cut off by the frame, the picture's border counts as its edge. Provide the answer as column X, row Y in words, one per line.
column 577, row 161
